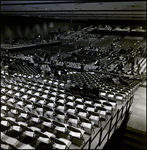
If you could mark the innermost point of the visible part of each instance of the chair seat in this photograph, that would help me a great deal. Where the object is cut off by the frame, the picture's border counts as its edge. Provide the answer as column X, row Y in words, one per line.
column 72, row 111
column 86, row 125
column 61, row 101
column 33, row 99
column 24, row 115
column 61, row 116
column 71, row 97
column 4, row 108
column 22, row 123
column 44, row 96
column 4, row 97
column 35, row 128
column 80, row 106
column 44, row 140
column 29, row 133
column 75, row 121
column 52, row 98
column 90, row 109
column 59, row 146
column 25, row 96
column 70, row 103
column 50, row 113
column 16, row 128
column 5, row 146
column 82, row 114
column 5, row 123
column 11, row 100
column 17, row 94
column 108, row 108
column 62, row 95
column 96, row 104
column 61, row 108
column 14, row 111
column 12, row 141
column 26, row 146
column 42, row 102
column 47, row 124
column 96, row 118
column 79, row 99
column 66, row 141
column 61, row 129
column 49, row 134
column 37, row 120
column 75, row 134
column 20, row 103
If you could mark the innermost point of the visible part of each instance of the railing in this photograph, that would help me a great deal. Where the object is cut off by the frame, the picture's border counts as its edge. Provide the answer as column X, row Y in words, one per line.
column 112, row 124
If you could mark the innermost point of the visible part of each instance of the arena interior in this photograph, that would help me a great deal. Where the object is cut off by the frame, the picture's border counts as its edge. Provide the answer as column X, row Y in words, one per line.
column 73, row 74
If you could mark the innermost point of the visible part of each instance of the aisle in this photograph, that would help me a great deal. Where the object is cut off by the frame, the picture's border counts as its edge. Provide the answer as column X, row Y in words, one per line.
column 138, row 117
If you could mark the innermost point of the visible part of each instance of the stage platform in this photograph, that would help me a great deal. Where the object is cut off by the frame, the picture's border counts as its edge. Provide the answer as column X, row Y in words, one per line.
column 21, row 47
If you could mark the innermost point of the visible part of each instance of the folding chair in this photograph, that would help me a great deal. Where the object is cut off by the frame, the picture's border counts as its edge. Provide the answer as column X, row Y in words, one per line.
column 102, row 99
column 113, row 103
column 71, row 109
column 48, row 112
column 87, row 125
column 73, row 120
column 60, row 106
column 102, row 93
column 110, row 95
column 70, row 102
column 80, row 104
column 60, row 143
column 12, row 142
column 14, row 130
column 60, row 129
column 11, row 101
column 108, row 107
column 45, row 124
column 82, row 113
column 23, row 115
column 119, row 97
column 28, row 136
column 76, row 135
column 95, row 117
column 5, row 125
column 34, row 119
column 102, row 112
column 42, row 141
column 60, row 116
column 29, row 107
column 97, row 103
column 38, row 109
column 87, row 100
column 90, row 107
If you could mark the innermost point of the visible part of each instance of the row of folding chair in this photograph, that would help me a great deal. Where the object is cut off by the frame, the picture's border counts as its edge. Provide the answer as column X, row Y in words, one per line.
column 50, row 113
column 20, row 136
column 55, row 102
column 57, row 126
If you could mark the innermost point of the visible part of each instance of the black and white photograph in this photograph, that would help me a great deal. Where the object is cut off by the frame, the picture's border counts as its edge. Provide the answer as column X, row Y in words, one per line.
column 73, row 74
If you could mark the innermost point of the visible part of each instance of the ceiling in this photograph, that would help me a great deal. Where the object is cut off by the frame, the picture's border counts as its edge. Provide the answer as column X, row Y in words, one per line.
column 76, row 9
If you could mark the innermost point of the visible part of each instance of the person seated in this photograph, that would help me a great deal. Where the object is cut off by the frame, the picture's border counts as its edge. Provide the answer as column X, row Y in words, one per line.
column 85, row 88
column 94, row 90
column 77, row 87
column 116, row 80
column 68, row 85
column 123, row 82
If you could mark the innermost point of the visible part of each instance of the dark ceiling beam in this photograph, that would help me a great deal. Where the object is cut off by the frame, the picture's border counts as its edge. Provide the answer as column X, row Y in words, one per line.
column 73, row 10
column 24, row 2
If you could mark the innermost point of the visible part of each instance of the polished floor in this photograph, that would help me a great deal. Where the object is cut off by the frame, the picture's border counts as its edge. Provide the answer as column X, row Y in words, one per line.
column 137, row 119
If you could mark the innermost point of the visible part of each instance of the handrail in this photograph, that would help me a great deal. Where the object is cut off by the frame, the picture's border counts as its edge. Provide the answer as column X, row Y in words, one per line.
column 111, row 127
